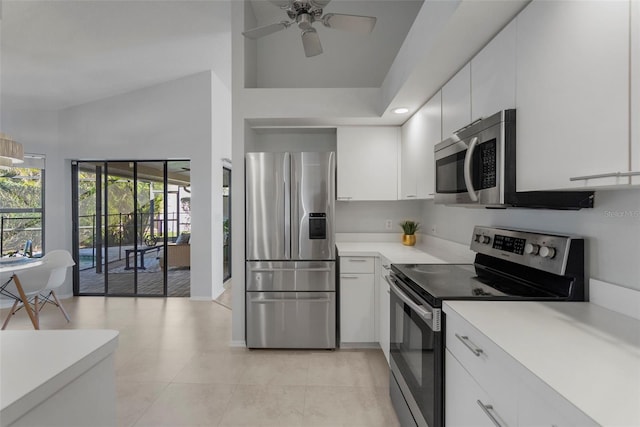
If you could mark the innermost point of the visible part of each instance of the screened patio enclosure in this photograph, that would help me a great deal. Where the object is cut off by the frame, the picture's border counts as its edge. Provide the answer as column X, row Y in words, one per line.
column 132, row 224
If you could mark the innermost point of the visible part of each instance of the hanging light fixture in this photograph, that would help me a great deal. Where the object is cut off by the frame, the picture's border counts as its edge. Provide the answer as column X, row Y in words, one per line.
column 11, row 152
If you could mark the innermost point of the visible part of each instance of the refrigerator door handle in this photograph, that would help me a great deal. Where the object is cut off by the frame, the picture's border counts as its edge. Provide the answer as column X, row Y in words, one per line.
column 276, row 300
column 271, row 270
column 287, row 205
column 295, row 202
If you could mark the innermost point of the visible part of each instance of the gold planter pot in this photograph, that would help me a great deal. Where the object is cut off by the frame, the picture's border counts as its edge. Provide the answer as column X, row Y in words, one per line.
column 409, row 239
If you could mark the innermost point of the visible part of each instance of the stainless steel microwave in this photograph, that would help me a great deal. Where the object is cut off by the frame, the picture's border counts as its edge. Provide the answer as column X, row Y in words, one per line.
column 476, row 167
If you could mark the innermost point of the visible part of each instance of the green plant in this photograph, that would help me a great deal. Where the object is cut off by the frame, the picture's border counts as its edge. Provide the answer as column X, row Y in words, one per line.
column 410, row 227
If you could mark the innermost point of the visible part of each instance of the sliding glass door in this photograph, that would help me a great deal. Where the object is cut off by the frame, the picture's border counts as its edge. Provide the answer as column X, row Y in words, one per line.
column 123, row 228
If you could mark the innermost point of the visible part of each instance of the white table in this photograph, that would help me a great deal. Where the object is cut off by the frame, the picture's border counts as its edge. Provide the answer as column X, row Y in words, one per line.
column 9, row 270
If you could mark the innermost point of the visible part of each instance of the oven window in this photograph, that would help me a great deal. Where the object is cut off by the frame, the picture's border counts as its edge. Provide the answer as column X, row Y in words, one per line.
column 416, row 350
column 450, row 170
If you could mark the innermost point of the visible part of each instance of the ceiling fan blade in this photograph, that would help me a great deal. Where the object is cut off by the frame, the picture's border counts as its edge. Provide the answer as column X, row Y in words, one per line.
column 311, row 43
column 321, row 4
column 354, row 23
column 265, row 30
column 282, row 4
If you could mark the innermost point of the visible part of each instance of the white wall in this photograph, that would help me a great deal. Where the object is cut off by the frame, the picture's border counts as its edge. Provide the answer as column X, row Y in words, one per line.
column 291, row 140
column 38, row 133
column 168, row 121
column 612, row 230
column 370, row 217
column 173, row 120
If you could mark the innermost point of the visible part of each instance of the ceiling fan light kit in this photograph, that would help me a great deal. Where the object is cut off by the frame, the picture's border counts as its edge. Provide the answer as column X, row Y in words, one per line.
column 304, row 13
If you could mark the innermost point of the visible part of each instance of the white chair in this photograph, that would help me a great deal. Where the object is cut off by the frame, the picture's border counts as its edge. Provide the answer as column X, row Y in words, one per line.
column 33, row 281
column 59, row 261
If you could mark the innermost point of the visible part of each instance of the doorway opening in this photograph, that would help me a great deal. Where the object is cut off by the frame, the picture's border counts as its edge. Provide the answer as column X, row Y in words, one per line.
column 132, row 225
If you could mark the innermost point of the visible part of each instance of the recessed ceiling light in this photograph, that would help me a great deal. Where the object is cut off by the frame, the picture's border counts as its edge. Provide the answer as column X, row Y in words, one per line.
column 401, row 110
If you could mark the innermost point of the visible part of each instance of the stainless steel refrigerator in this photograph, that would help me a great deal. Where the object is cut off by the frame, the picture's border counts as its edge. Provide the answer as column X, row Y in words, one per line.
column 290, row 250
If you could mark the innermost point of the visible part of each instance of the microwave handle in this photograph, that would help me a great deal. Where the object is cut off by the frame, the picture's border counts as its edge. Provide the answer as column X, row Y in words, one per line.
column 467, row 169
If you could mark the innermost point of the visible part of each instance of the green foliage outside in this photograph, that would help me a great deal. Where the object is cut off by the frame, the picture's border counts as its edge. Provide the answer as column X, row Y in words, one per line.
column 120, row 216
column 21, row 189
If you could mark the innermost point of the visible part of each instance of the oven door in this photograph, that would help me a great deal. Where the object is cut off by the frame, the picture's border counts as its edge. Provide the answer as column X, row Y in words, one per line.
column 469, row 170
column 416, row 352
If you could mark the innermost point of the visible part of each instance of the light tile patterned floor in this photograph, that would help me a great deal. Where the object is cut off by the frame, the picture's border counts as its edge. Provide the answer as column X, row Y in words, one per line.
column 174, row 368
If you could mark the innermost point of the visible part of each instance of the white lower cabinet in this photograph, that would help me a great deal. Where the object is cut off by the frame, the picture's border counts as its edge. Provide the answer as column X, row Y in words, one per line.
column 357, row 300
column 485, row 386
column 384, row 307
column 462, row 393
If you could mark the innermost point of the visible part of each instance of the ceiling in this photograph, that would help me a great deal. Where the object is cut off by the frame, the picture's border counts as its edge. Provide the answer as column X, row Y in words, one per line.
column 349, row 59
column 56, row 54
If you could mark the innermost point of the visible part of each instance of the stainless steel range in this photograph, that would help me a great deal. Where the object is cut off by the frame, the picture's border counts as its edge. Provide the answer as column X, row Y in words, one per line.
column 509, row 265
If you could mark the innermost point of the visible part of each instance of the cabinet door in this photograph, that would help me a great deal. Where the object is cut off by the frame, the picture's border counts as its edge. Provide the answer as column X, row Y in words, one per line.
column 384, row 313
column 493, row 75
column 572, row 93
column 419, row 136
column 357, row 299
column 462, row 394
column 635, row 90
column 367, row 162
column 456, row 102
column 412, row 133
column 432, row 111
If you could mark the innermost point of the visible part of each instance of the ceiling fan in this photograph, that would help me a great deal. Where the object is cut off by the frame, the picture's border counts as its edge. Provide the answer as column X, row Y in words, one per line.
column 304, row 13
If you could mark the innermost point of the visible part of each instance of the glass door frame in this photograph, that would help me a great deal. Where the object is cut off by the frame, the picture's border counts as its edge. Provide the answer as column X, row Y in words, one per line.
column 103, row 188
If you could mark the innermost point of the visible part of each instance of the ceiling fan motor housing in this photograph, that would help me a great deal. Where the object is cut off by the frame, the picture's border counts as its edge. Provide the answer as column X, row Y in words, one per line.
column 310, row 7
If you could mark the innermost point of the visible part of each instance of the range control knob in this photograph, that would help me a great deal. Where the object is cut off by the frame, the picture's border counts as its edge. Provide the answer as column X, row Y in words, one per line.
column 547, row 252
column 478, row 238
column 485, row 240
column 531, row 248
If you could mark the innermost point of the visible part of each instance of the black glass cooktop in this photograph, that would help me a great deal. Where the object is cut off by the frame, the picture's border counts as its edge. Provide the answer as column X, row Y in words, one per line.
column 438, row 282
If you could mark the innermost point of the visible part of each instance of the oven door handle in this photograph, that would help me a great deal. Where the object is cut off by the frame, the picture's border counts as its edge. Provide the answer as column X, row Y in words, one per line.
column 426, row 315
column 468, row 181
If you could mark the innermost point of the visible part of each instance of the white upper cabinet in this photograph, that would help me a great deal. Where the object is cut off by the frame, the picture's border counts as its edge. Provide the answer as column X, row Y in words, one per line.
column 419, row 135
column 456, row 102
column 367, row 162
column 493, row 75
column 572, row 93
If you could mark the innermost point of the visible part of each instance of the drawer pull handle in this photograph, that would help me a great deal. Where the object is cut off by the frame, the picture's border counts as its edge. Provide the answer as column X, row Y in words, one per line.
column 348, row 277
column 474, row 348
column 487, row 410
column 357, row 260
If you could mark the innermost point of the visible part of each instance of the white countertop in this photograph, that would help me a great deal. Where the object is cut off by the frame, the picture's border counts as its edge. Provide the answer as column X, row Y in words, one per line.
column 429, row 250
column 36, row 364
column 586, row 353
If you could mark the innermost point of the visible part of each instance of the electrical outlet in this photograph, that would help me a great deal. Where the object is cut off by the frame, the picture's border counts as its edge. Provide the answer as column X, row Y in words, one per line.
column 434, row 230
column 388, row 224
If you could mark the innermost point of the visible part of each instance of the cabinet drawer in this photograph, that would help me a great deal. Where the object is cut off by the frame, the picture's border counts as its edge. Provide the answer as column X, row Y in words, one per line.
column 357, row 264
column 462, row 395
column 489, row 365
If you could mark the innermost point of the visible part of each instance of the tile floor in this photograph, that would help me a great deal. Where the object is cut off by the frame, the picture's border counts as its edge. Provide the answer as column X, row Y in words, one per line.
column 174, row 368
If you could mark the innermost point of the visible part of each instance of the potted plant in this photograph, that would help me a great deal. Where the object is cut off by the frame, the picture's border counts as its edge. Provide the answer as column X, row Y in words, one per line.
column 409, row 228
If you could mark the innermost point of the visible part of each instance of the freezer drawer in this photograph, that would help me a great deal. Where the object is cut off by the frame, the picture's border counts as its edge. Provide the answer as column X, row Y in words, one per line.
column 291, row 319
column 291, row 276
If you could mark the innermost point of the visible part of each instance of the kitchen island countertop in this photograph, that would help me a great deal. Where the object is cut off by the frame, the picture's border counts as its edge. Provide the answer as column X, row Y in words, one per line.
column 586, row 353
column 37, row 365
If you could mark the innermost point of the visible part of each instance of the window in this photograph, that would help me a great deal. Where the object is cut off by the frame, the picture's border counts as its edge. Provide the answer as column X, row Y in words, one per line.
column 22, row 208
